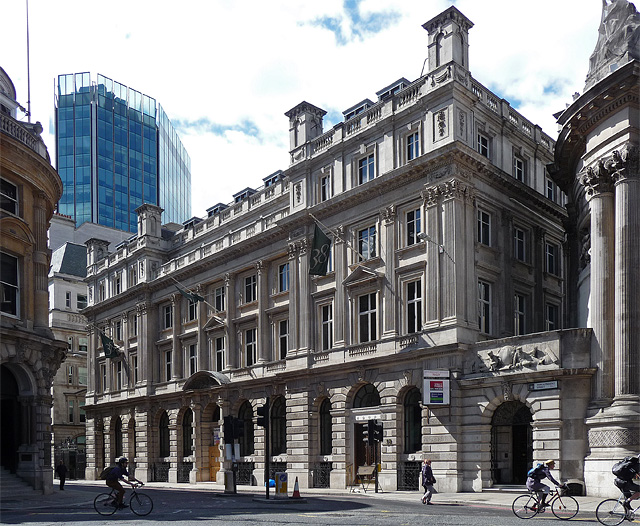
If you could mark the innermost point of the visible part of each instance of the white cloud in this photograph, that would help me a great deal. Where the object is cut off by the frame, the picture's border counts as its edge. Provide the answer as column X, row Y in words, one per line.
column 232, row 63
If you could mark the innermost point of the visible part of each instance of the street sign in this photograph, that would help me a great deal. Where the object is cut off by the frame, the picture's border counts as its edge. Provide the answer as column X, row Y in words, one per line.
column 436, row 387
column 364, row 418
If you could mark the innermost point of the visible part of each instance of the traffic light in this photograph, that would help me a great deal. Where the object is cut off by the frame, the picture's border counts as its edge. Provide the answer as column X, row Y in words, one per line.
column 238, row 428
column 227, row 429
column 263, row 415
column 369, row 431
column 377, row 431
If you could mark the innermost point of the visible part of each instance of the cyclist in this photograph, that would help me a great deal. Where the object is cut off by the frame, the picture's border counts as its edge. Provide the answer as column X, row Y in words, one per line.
column 116, row 475
column 536, row 475
column 624, row 480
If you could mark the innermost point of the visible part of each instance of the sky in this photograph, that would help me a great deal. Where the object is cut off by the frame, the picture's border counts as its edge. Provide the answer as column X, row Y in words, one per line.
column 226, row 71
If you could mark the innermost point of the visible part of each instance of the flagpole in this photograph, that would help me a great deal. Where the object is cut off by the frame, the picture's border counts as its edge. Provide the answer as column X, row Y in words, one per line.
column 28, row 70
column 345, row 241
column 216, row 311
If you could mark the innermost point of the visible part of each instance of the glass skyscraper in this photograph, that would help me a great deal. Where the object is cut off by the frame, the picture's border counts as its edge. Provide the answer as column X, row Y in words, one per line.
column 116, row 149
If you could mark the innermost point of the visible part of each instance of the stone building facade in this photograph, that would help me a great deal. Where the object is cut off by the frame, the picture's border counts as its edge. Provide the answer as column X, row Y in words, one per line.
column 29, row 353
column 443, row 313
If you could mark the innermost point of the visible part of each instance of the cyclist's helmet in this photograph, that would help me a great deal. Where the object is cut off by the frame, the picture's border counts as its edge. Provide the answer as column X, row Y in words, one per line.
column 122, row 460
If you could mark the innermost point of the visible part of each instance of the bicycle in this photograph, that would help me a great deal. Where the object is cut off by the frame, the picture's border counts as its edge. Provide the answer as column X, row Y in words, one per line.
column 611, row 512
column 107, row 503
column 563, row 506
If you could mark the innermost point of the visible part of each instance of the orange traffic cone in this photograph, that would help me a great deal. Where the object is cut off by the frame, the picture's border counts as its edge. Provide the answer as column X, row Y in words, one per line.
column 296, row 491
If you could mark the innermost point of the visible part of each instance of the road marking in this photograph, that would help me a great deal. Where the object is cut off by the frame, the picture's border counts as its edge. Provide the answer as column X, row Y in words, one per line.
column 182, row 511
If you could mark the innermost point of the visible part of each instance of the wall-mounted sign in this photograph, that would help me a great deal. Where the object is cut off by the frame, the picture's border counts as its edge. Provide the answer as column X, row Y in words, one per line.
column 436, row 388
column 543, row 386
column 364, row 418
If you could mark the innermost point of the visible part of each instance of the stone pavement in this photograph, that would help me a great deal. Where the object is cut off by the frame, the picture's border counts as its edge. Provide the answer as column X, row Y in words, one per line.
column 75, row 494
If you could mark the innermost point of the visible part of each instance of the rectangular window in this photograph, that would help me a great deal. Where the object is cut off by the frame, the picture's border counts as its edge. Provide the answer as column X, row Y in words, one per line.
column 81, row 412
column 325, row 188
column 9, row 284
column 103, row 376
column 117, row 330
column 414, row 306
column 117, row 283
column 70, row 379
column 193, row 359
column 519, row 168
column 134, row 368
column 133, row 275
column 327, row 326
column 413, row 146
column 367, row 243
column 118, row 376
column 552, row 317
column 67, row 299
column 192, row 310
column 250, row 289
column 551, row 190
column 484, row 227
column 81, row 301
column 250, row 347
column 367, row 326
column 520, row 315
column 167, row 314
column 484, row 307
column 219, row 299
column 82, row 344
column 519, row 244
column 82, row 375
column 71, row 412
column 414, row 226
column 101, row 290
column 167, row 366
column 552, row 254
column 483, row 145
column 8, row 197
column 283, row 338
column 283, row 277
column 219, row 348
column 134, row 324
column 366, row 169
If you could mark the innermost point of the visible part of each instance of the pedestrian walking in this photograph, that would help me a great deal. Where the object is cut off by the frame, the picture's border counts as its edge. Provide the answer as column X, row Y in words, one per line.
column 428, row 480
column 61, row 471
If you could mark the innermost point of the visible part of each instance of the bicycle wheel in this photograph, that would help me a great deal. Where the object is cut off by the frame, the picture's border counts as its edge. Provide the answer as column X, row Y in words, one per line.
column 565, row 508
column 610, row 512
column 141, row 504
column 105, row 504
column 525, row 506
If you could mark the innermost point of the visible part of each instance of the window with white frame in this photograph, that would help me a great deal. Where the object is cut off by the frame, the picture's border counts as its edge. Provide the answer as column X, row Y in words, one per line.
column 366, row 169
column 67, row 299
column 250, row 289
column 483, row 144
column 133, row 275
column 192, row 310
column 193, row 359
column 8, row 197
column 283, row 277
column 117, row 330
column 103, row 377
column 101, row 291
column 167, row 316
column 82, row 344
column 325, row 187
column 414, row 306
column 367, row 243
column 520, row 244
column 117, row 283
column 552, row 317
column 552, row 253
column 283, row 338
column 81, row 301
column 10, row 284
column 119, row 375
column 219, row 299
column 326, row 324
column 519, row 168
column 250, row 347
column 484, row 227
column 367, row 317
column 551, row 191
column 519, row 314
column 168, row 371
column 414, row 226
column 413, row 145
column 219, row 347
column 133, row 326
column 484, row 307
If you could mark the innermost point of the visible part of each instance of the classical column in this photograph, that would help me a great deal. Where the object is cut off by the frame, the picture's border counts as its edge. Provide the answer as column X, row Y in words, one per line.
column 145, row 353
column 433, row 313
column 304, row 299
column 203, row 351
column 626, row 173
column 599, row 193
column 340, row 300
column 388, row 238
column 452, row 244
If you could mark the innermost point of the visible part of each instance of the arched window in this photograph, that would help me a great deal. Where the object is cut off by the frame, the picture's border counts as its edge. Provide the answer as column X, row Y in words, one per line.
column 187, row 432
column 163, row 429
column 412, row 422
column 326, row 430
column 367, row 396
column 439, row 40
column 246, row 440
column 118, row 437
column 279, row 427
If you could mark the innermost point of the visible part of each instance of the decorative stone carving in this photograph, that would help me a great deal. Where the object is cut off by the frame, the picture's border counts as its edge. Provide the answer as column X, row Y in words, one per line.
column 512, row 357
column 506, row 391
column 598, row 179
column 585, row 253
column 389, row 214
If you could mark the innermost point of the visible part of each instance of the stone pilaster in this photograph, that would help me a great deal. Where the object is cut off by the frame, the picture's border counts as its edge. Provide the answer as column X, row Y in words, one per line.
column 431, row 197
column 264, row 342
column 174, row 454
column 340, row 266
column 294, row 294
column 298, row 439
column 199, row 451
column 232, row 355
column 388, row 239
column 143, row 433
column 176, row 346
column 304, row 336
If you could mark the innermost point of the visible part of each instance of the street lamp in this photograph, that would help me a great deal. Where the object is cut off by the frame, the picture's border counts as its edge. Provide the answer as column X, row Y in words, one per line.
column 426, row 237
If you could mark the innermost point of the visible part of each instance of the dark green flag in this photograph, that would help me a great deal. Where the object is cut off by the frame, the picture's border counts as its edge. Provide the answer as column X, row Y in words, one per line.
column 320, row 251
column 110, row 349
column 195, row 298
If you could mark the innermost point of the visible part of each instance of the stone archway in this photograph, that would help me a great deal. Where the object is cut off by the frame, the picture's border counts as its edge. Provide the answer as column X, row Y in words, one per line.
column 511, row 443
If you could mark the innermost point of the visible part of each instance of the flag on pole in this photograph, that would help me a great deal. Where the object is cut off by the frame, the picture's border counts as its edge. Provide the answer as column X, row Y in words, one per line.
column 110, row 349
column 192, row 296
column 320, row 252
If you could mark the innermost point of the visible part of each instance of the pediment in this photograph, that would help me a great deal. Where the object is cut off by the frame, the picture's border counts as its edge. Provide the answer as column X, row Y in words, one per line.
column 214, row 322
column 362, row 275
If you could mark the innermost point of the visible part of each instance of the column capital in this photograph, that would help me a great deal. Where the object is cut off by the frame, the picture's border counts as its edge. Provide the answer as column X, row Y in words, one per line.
column 598, row 179
column 389, row 214
column 625, row 163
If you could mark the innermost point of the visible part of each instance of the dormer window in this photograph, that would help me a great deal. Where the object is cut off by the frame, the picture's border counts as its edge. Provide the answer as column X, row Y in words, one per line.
column 357, row 109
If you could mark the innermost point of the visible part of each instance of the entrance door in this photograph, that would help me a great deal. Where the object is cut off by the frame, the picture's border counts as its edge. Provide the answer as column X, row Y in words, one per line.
column 511, row 443
column 364, row 453
column 10, row 420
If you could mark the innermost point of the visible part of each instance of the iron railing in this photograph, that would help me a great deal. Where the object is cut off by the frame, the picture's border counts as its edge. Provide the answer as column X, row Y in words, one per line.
column 276, row 467
column 321, row 475
column 409, row 476
column 184, row 468
column 244, row 475
column 160, row 472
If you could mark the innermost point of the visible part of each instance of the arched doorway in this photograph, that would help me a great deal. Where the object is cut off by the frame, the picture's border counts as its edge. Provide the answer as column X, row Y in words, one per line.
column 511, row 443
column 365, row 453
column 10, row 419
